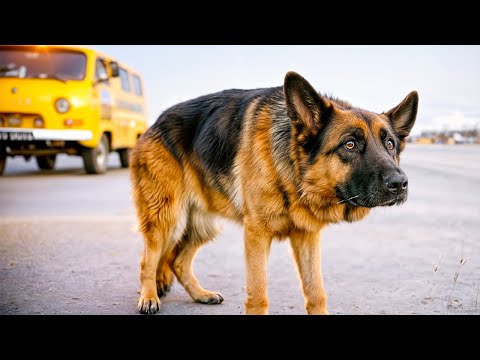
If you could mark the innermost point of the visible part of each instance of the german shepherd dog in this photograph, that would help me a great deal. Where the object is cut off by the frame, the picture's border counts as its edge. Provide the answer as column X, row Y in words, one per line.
column 283, row 161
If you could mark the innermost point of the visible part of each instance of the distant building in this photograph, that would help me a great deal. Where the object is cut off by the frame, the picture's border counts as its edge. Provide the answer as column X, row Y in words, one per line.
column 458, row 138
column 451, row 137
column 423, row 140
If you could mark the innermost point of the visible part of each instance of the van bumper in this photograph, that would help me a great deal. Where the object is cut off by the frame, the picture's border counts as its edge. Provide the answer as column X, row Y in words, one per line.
column 20, row 134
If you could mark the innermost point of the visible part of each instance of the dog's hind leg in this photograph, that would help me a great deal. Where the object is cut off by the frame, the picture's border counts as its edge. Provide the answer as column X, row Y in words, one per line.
column 165, row 277
column 165, row 274
column 159, row 197
column 200, row 229
column 149, row 303
column 156, row 275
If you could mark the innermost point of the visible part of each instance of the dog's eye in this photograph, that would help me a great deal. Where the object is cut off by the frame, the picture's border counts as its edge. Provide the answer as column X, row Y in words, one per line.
column 390, row 145
column 350, row 145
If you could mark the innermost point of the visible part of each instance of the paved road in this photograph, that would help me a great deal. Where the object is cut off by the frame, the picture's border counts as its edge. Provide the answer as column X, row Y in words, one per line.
column 68, row 246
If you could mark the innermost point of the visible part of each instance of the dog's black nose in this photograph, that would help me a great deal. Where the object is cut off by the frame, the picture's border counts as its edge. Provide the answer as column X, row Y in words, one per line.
column 397, row 183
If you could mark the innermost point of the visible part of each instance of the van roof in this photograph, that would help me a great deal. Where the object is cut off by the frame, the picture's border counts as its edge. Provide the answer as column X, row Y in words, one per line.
column 84, row 49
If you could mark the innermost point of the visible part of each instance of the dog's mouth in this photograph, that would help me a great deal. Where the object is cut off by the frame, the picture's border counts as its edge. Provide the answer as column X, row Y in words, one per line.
column 391, row 202
column 370, row 200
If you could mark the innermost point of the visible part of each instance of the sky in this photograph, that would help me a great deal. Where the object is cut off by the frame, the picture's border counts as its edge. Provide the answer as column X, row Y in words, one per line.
column 375, row 78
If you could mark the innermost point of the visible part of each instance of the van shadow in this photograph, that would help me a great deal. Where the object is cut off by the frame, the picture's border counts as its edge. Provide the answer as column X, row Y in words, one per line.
column 66, row 166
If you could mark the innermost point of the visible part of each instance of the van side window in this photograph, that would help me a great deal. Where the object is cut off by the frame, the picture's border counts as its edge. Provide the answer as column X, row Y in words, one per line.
column 137, row 85
column 100, row 70
column 124, row 80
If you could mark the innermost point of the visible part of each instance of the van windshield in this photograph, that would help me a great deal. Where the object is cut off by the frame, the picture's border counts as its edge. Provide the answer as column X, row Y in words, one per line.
column 42, row 63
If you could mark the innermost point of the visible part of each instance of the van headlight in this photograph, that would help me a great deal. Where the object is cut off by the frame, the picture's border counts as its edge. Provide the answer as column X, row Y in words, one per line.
column 62, row 105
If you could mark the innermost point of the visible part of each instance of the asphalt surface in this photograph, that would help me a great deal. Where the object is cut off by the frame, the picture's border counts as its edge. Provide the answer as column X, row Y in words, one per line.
column 68, row 245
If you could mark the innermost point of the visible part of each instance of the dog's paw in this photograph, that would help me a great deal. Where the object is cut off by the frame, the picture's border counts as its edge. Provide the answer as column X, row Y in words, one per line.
column 149, row 305
column 210, row 298
column 163, row 290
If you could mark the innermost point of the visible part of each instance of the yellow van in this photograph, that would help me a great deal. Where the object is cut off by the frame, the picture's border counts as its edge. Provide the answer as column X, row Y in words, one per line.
column 68, row 99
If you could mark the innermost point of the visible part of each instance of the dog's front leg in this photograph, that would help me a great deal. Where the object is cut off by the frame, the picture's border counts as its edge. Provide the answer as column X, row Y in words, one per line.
column 306, row 249
column 257, row 249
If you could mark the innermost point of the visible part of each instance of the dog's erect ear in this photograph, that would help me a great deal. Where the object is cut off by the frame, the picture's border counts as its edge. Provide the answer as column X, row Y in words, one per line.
column 402, row 117
column 305, row 106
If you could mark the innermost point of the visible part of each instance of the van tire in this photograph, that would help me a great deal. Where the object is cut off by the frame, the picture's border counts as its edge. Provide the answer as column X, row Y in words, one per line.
column 3, row 159
column 124, row 157
column 95, row 160
column 46, row 162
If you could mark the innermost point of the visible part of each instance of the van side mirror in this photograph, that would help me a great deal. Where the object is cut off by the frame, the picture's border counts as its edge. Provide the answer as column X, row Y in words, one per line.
column 114, row 69
column 103, row 77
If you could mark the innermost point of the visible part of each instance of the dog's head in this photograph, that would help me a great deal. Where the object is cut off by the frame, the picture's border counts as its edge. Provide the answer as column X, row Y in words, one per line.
column 348, row 154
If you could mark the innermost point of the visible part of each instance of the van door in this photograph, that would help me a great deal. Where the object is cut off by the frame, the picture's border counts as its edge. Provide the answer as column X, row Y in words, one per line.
column 125, row 109
column 103, row 92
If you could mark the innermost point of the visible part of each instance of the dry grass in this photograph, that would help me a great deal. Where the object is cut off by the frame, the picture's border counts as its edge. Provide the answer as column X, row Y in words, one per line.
column 463, row 260
column 436, row 269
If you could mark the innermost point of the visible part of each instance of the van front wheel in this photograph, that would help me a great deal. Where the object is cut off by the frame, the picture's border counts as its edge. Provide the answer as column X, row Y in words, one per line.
column 124, row 157
column 46, row 162
column 95, row 160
